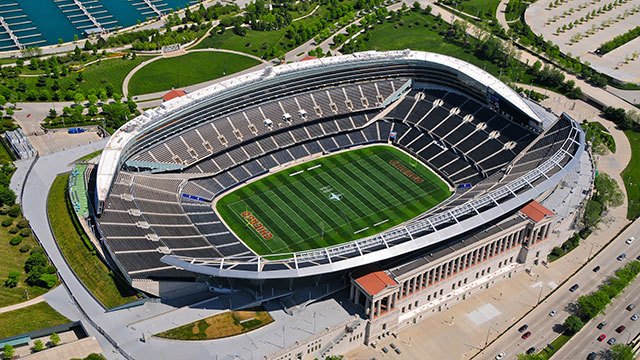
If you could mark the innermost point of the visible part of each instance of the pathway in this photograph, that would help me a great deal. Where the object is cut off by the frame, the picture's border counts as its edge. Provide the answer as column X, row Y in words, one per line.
column 23, row 304
column 501, row 12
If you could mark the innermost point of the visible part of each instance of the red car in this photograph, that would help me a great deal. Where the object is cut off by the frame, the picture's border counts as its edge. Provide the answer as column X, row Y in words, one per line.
column 526, row 335
column 602, row 337
column 620, row 329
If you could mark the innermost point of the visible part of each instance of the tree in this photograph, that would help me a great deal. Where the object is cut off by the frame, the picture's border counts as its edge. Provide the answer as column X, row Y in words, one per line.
column 608, row 190
column 78, row 98
column 8, row 352
column 93, row 110
column 38, row 345
column 92, row 99
column 572, row 324
column 55, row 339
column 12, row 279
column 589, row 306
column 621, row 352
column 10, row 111
column 52, row 113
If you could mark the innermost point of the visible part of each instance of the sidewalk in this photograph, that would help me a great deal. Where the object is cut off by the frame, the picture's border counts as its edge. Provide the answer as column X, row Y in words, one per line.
column 22, row 304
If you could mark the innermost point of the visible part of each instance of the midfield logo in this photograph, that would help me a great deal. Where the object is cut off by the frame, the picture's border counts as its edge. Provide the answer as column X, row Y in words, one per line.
column 335, row 197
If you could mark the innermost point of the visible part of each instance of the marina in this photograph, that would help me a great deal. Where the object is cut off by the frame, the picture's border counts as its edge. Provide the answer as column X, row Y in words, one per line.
column 31, row 23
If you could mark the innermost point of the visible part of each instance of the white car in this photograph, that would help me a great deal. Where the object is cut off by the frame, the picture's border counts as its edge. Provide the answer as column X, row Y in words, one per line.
column 500, row 356
column 634, row 317
column 630, row 240
column 553, row 313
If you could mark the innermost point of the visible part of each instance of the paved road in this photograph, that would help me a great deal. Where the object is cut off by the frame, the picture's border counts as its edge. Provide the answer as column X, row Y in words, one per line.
column 540, row 323
column 616, row 314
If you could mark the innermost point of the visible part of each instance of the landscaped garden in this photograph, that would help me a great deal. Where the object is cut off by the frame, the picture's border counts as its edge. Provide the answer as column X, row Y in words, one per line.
column 222, row 325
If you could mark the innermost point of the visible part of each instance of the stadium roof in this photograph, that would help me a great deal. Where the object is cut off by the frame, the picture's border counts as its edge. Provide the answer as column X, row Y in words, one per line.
column 112, row 156
column 536, row 211
column 375, row 282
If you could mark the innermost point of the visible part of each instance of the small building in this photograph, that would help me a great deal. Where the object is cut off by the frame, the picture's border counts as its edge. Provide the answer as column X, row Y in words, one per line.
column 174, row 93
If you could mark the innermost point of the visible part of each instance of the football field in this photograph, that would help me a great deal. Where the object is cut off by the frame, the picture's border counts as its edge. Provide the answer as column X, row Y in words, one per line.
column 331, row 200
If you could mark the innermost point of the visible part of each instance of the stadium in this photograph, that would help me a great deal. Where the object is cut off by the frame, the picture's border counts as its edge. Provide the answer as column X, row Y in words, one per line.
column 324, row 166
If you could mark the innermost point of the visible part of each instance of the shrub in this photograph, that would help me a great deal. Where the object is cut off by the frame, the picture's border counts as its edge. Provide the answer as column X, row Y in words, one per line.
column 23, row 223
column 14, row 210
column 55, row 339
column 25, row 248
column 25, row 232
column 14, row 230
column 12, row 279
column 7, row 222
column 16, row 240
column 38, row 345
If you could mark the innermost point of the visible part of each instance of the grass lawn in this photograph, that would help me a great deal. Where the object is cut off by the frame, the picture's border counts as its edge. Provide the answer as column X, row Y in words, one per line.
column 109, row 290
column 223, row 325
column 13, row 260
column 485, row 9
column 631, row 175
column 419, row 31
column 254, row 43
column 189, row 69
column 331, row 200
column 5, row 155
column 89, row 156
column 30, row 318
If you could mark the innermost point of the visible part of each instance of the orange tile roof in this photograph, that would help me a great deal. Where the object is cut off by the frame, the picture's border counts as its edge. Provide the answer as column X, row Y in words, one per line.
column 173, row 94
column 308, row 57
column 535, row 211
column 375, row 282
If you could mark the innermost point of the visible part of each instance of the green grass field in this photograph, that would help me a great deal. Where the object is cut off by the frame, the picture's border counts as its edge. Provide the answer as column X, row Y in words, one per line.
column 111, row 291
column 332, row 200
column 30, row 318
column 485, row 9
column 189, row 69
column 631, row 176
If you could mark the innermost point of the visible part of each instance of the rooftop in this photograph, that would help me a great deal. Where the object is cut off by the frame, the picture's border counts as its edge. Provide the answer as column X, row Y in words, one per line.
column 375, row 282
column 536, row 211
column 174, row 93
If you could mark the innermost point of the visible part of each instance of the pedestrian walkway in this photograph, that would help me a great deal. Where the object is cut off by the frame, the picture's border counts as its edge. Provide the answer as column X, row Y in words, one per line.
column 23, row 304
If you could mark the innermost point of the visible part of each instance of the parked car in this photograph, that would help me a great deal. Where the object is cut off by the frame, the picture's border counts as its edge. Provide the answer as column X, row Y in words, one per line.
column 523, row 328
column 621, row 257
column 601, row 325
column 634, row 317
column 596, row 269
column 398, row 351
column 393, row 346
column 526, row 335
column 385, row 350
column 611, row 341
column 631, row 307
column 531, row 350
column 630, row 240
column 592, row 356
column 553, row 313
column 500, row 356
column 620, row 329
column 574, row 287
column 602, row 337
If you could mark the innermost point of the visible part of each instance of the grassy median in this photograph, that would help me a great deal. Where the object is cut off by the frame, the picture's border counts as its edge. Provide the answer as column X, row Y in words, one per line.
column 631, row 175
column 109, row 289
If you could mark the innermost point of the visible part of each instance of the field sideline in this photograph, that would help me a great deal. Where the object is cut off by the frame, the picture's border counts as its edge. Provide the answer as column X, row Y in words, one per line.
column 331, row 200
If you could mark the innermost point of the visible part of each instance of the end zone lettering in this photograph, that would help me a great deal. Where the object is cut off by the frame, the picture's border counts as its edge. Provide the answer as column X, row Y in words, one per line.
column 406, row 172
column 257, row 225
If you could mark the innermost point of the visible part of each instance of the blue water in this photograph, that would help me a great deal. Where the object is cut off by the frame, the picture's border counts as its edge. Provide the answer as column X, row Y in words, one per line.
column 52, row 24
